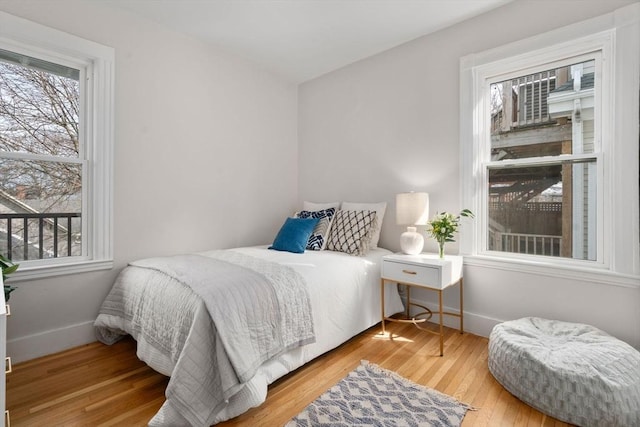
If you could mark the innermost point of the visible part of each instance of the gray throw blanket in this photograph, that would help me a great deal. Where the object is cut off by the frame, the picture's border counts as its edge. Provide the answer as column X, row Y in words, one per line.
column 255, row 310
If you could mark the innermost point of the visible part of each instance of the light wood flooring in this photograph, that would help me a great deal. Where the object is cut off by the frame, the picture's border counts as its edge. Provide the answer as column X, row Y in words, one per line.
column 99, row 385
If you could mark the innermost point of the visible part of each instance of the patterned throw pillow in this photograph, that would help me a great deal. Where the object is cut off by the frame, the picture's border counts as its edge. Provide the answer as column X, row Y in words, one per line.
column 380, row 209
column 318, row 238
column 351, row 232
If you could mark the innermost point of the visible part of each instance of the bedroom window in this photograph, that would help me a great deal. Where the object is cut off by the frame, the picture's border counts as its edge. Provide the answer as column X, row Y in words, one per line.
column 545, row 149
column 542, row 179
column 55, row 150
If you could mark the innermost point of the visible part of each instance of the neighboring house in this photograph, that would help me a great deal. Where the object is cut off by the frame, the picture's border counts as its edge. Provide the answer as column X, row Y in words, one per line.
column 573, row 102
column 536, row 210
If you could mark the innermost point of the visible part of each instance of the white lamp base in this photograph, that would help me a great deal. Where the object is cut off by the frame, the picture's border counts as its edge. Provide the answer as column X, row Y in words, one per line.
column 411, row 242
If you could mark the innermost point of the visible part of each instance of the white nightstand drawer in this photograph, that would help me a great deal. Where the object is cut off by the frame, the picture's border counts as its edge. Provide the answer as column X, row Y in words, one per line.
column 420, row 274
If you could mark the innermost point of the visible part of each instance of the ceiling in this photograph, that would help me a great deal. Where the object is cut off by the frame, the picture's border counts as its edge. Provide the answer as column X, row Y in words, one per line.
column 303, row 39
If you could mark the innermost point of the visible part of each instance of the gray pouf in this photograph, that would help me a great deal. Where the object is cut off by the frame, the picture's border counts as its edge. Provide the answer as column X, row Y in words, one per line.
column 570, row 371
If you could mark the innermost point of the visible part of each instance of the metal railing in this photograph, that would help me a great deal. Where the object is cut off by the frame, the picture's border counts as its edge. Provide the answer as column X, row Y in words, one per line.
column 532, row 244
column 39, row 235
column 502, row 205
column 532, row 93
column 524, row 102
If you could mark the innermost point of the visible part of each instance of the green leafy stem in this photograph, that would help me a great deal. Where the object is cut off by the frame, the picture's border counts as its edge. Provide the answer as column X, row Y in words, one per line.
column 8, row 268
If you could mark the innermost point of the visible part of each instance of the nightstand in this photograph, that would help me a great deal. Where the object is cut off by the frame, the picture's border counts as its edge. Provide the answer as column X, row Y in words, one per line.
column 426, row 271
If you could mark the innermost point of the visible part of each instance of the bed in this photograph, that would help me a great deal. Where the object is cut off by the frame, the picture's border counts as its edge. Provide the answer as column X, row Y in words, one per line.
column 177, row 337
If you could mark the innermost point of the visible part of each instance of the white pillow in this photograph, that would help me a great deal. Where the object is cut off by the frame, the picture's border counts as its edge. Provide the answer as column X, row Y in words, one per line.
column 379, row 207
column 312, row 206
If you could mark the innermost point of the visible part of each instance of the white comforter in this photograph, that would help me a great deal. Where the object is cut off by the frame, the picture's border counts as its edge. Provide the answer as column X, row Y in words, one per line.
column 345, row 300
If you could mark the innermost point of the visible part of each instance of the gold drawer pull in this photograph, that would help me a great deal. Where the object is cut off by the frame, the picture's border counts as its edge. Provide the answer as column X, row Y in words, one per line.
column 409, row 272
column 7, row 365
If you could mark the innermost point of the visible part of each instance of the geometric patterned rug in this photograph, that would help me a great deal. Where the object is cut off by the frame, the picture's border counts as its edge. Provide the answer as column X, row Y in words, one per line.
column 373, row 396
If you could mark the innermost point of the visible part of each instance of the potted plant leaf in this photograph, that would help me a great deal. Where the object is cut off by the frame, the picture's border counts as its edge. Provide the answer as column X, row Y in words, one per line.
column 8, row 267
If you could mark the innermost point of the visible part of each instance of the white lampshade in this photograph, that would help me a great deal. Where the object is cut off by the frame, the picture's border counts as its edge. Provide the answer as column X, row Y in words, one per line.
column 412, row 209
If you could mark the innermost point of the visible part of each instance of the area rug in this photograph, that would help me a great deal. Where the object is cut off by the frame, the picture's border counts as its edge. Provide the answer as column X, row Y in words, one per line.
column 373, row 396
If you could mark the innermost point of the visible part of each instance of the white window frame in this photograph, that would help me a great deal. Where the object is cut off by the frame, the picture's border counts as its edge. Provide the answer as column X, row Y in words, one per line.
column 553, row 57
column 96, row 65
column 614, row 37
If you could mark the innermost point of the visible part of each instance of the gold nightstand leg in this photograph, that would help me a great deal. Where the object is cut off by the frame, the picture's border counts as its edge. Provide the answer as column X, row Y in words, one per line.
column 441, row 330
column 407, row 310
column 382, row 304
column 461, row 307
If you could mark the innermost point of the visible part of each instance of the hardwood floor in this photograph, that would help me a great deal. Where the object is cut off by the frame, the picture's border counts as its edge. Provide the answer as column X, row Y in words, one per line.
column 98, row 385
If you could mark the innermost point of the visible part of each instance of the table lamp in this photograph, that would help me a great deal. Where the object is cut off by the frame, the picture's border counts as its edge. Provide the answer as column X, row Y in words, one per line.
column 412, row 209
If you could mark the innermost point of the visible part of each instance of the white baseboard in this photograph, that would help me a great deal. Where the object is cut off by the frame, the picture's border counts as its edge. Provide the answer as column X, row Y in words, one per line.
column 474, row 323
column 49, row 342
column 32, row 346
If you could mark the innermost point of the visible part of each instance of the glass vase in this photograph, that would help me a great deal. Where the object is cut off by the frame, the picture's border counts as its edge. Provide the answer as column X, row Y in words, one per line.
column 441, row 249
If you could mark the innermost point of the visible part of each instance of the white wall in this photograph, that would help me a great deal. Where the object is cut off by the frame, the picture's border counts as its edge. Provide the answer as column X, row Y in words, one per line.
column 390, row 123
column 205, row 157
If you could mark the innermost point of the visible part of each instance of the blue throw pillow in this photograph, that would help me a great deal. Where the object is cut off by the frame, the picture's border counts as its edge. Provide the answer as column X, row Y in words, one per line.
column 294, row 235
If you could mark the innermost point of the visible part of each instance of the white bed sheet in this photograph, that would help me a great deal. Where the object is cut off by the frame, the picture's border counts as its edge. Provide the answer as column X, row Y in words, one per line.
column 345, row 300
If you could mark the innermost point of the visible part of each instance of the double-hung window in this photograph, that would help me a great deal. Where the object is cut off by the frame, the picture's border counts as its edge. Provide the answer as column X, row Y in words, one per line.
column 55, row 150
column 541, row 163
column 548, row 160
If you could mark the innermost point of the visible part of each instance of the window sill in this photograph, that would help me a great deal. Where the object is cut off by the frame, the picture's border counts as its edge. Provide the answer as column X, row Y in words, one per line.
column 45, row 271
column 542, row 268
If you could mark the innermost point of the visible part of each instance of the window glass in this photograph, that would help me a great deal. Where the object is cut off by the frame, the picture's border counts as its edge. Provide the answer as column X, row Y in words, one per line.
column 535, row 210
column 39, row 109
column 543, row 114
column 42, row 182
column 40, row 208
column 538, row 205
